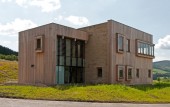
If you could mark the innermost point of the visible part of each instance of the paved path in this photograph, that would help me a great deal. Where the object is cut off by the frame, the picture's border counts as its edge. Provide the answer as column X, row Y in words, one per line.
column 5, row 102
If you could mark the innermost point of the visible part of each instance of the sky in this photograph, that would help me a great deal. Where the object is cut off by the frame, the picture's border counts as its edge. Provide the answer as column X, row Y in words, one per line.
column 151, row 16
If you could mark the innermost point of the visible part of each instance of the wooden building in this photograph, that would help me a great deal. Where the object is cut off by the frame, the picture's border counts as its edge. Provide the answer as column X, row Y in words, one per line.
column 109, row 52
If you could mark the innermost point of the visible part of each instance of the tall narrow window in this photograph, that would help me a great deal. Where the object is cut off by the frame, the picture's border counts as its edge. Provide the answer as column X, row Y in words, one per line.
column 39, row 44
column 128, row 73
column 120, row 43
column 128, row 45
column 137, row 73
column 120, row 72
column 99, row 71
column 149, row 73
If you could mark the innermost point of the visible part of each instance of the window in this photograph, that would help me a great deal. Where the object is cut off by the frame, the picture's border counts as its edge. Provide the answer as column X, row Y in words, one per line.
column 120, row 43
column 145, row 49
column 137, row 73
column 128, row 45
column 39, row 44
column 99, row 71
column 120, row 73
column 128, row 73
column 149, row 73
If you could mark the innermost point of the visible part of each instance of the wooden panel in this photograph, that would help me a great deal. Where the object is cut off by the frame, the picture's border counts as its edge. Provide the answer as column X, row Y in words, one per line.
column 39, row 67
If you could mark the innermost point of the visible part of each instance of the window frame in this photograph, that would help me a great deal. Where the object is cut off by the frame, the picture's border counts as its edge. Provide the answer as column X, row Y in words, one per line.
column 144, row 49
column 137, row 73
column 41, row 48
column 117, row 43
column 99, row 72
column 118, row 78
column 127, row 73
column 127, row 45
column 149, row 73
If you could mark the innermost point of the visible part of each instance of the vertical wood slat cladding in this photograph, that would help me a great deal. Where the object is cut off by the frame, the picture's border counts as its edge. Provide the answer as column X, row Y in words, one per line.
column 100, row 51
column 95, row 57
column 40, row 67
column 130, row 58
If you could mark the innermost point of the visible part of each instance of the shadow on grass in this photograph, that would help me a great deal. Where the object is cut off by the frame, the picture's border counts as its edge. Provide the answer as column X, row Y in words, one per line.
column 68, row 86
column 158, row 85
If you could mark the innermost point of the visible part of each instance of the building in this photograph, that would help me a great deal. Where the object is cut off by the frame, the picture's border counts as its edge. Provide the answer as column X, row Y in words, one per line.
column 109, row 53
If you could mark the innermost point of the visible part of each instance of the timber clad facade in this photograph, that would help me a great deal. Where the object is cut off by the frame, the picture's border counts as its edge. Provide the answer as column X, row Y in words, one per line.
column 109, row 52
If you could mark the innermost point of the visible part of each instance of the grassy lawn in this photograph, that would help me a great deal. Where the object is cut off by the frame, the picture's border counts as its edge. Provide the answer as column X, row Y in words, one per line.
column 157, row 93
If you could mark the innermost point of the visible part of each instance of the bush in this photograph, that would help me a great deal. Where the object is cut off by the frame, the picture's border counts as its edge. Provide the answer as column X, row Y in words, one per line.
column 9, row 57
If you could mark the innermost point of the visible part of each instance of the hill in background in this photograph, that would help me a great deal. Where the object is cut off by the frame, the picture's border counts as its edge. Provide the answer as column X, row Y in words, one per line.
column 161, row 69
column 7, row 51
column 162, row 65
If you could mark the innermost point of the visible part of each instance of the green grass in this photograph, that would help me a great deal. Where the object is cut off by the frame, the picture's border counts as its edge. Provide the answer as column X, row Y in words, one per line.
column 157, row 93
column 159, row 71
column 8, row 71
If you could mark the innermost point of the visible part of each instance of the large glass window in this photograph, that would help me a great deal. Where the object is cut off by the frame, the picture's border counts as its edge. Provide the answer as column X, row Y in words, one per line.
column 145, row 49
column 70, row 56
column 120, row 43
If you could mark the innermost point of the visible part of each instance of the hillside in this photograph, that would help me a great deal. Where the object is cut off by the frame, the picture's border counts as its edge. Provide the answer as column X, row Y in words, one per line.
column 7, row 51
column 162, row 65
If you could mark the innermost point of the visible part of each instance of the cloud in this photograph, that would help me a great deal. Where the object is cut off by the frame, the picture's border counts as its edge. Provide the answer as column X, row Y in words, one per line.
column 45, row 5
column 59, row 18
column 12, row 28
column 77, row 20
column 163, row 43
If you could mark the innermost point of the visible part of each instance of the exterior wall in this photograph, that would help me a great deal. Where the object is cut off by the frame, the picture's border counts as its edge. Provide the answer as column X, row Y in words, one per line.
column 101, row 52
column 129, row 58
column 96, row 53
column 40, row 68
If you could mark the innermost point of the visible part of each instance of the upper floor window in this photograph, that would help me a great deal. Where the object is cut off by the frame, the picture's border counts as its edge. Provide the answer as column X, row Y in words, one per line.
column 145, row 49
column 120, row 43
column 128, row 45
column 39, row 44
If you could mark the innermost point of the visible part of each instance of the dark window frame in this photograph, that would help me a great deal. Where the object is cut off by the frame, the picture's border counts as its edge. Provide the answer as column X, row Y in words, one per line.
column 120, row 76
column 99, row 72
column 149, row 73
column 137, row 73
column 127, row 73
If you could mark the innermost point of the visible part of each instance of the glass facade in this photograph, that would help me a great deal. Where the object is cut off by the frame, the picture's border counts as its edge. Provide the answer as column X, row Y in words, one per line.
column 70, row 57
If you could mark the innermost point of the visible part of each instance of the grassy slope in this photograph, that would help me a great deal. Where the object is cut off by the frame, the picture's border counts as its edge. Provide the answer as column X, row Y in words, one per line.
column 8, row 71
column 102, row 93
column 159, row 71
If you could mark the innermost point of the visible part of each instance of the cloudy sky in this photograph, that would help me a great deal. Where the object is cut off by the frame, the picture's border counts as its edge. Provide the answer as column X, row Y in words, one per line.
column 152, row 16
